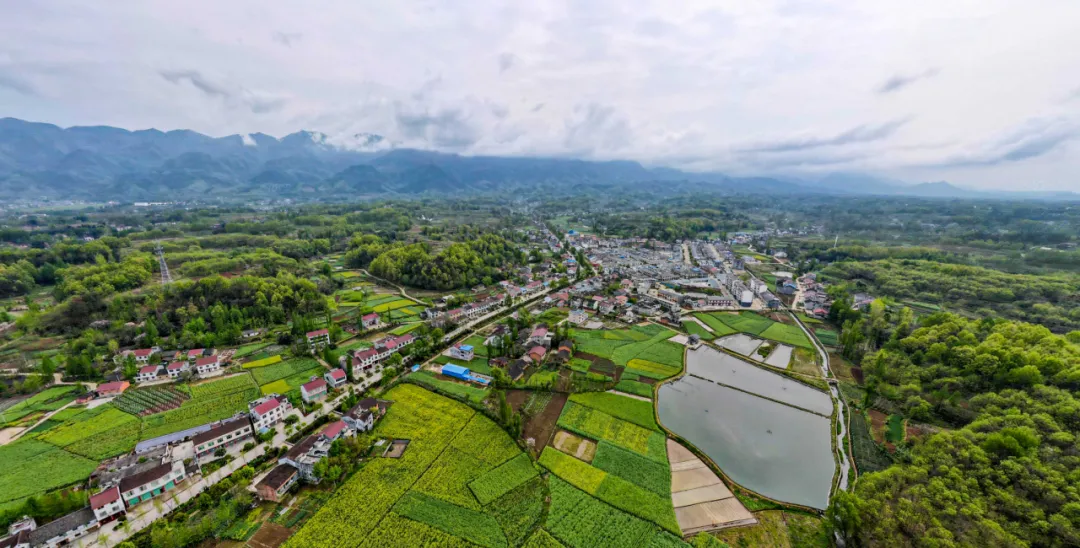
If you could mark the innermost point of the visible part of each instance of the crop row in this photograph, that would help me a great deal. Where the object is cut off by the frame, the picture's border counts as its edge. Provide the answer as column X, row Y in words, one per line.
column 503, row 479
column 471, row 525
column 142, row 400
column 263, row 362
column 196, row 412
column 271, row 373
column 601, row 426
column 621, row 407
column 221, row 387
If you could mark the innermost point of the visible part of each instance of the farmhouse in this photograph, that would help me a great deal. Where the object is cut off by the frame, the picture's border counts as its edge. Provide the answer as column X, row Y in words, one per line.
column 336, row 377
column 225, row 434
column 142, row 355
column 150, row 483
column 175, row 369
column 578, row 317
column 148, row 373
column 207, row 366
column 462, row 352
column 61, row 531
column 516, row 369
column 277, row 482
column 268, row 411
column 304, row 455
column 362, row 417
column 112, row 388
column 540, row 336
column 107, row 505
column 537, row 353
column 317, row 340
column 370, row 321
column 314, row 390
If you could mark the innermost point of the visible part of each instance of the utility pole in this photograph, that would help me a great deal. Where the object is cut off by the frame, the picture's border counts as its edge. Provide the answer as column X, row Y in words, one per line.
column 166, row 278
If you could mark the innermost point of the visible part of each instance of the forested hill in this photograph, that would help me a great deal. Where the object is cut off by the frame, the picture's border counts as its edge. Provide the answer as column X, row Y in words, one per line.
column 1005, row 469
column 1052, row 300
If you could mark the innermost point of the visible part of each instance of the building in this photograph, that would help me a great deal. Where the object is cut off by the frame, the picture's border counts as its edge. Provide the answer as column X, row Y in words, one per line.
column 107, row 505
column 268, row 411
column 456, row 372
column 516, row 369
column 370, row 321
column 277, row 482
column 304, row 455
column 336, row 430
column 110, row 389
column 463, row 352
column 225, row 434
column 540, row 336
column 62, row 531
column 578, row 317
column 317, row 340
column 142, row 355
column 336, row 378
column 175, row 369
column 537, row 353
column 362, row 417
column 207, row 366
column 747, row 298
column 150, row 483
column 148, row 373
column 314, row 390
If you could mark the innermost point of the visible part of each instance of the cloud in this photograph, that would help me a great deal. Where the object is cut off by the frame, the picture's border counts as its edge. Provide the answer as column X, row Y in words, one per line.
column 257, row 103
column 287, row 38
column 17, row 84
column 247, row 140
column 506, row 62
column 1033, row 139
column 537, row 108
column 863, row 133
column 899, row 82
column 446, row 127
column 594, row 128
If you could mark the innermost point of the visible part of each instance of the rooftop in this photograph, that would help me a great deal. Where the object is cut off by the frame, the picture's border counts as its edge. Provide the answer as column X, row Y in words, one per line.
column 279, row 476
column 226, row 427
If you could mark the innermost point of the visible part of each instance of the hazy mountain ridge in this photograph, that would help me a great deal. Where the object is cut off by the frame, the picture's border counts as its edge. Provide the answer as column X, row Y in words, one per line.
column 102, row 162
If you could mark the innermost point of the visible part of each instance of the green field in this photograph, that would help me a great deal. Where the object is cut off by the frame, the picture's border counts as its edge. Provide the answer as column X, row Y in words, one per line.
column 98, row 433
column 32, row 467
column 753, row 324
column 598, row 425
column 469, row 391
column 450, row 447
column 787, row 334
column 403, row 329
column 634, row 387
column 644, row 350
column 249, row 349
column 210, row 401
column 828, row 337
column 49, row 399
column 277, row 371
column 713, row 321
column 621, row 407
column 695, row 328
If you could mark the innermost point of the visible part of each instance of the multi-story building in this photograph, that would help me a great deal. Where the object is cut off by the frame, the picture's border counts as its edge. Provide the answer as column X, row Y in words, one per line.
column 150, row 483
column 277, row 482
column 370, row 321
column 336, row 378
column 362, row 417
column 268, row 411
column 462, row 352
column 314, row 390
column 148, row 373
column 317, row 340
column 175, row 369
column 224, row 434
column 107, row 505
column 207, row 366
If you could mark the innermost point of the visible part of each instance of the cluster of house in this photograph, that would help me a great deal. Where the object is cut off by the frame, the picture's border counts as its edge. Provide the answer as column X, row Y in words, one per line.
column 371, row 360
column 298, row 463
column 537, row 342
column 815, row 302
column 156, row 467
column 204, row 362
column 317, row 340
column 318, row 387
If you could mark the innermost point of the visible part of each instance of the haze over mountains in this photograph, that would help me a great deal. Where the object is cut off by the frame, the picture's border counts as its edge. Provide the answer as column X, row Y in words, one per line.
column 101, row 162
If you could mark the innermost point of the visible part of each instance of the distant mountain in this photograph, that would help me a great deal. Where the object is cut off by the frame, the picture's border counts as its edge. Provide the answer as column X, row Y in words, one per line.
column 100, row 162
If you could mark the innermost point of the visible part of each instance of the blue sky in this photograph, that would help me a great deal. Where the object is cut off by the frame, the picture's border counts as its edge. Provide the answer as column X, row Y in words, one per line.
column 981, row 93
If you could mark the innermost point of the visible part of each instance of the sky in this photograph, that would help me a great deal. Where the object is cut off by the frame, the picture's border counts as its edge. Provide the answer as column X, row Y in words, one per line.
column 981, row 93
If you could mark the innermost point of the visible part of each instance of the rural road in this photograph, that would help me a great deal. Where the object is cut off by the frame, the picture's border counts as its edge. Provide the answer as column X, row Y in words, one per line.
column 841, row 451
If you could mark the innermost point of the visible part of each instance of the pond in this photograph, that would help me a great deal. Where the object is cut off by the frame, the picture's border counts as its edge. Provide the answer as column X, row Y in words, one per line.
column 767, row 447
column 714, row 365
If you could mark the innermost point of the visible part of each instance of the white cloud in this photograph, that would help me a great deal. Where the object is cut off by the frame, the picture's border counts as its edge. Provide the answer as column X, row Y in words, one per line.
column 775, row 86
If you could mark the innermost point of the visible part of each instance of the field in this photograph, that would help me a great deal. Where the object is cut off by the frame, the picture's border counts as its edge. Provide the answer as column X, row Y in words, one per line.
column 32, row 467
column 469, row 391
column 270, row 360
column 787, row 334
column 98, row 433
column 210, row 401
column 392, row 305
column 869, row 456
column 828, row 337
column 49, row 399
column 635, row 387
column 291, row 383
column 756, row 325
column 695, row 328
column 779, row 529
column 713, row 321
column 249, row 349
column 281, row 370
column 598, row 425
column 403, row 329
column 628, row 409
column 643, row 350
column 424, row 498
column 150, row 400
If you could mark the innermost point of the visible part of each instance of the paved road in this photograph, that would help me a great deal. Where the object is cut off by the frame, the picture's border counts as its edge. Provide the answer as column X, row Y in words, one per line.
column 144, row 514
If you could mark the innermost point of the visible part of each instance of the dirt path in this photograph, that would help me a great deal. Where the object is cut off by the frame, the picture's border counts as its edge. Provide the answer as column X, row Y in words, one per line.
column 634, row 396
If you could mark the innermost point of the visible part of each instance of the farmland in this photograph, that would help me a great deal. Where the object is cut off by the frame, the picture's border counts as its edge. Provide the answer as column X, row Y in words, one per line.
column 601, row 426
column 695, row 328
column 210, row 401
column 634, row 387
column 98, row 433
column 628, row 409
column 468, row 391
column 32, row 467
column 281, row 370
column 643, row 350
column 150, row 400
column 263, row 362
column 724, row 323
column 382, row 505
column 49, row 399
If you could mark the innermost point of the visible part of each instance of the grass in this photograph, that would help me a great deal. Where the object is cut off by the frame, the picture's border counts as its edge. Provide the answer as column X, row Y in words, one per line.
column 263, row 362
column 695, row 328
column 895, row 429
column 787, row 334
column 828, row 337
column 507, row 477
column 468, row 391
column 478, row 364
column 636, row 469
column 579, row 364
column 621, row 407
column 778, row 528
column 292, row 382
column 32, row 467
column 634, row 387
column 97, row 434
column 470, row 525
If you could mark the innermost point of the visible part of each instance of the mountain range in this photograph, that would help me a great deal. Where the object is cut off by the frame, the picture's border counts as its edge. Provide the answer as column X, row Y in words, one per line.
column 40, row 160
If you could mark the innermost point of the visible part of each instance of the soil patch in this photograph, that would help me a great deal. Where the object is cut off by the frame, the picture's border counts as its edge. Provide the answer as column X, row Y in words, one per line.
column 541, row 427
column 857, row 374
column 575, row 446
column 270, row 535
column 878, row 425
column 517, row 398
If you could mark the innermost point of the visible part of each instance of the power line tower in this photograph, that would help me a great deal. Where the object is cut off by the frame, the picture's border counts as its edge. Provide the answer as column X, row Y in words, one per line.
column 166, row 278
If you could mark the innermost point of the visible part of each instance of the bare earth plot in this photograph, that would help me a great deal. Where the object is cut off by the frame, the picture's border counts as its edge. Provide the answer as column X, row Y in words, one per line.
column 702, row 502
